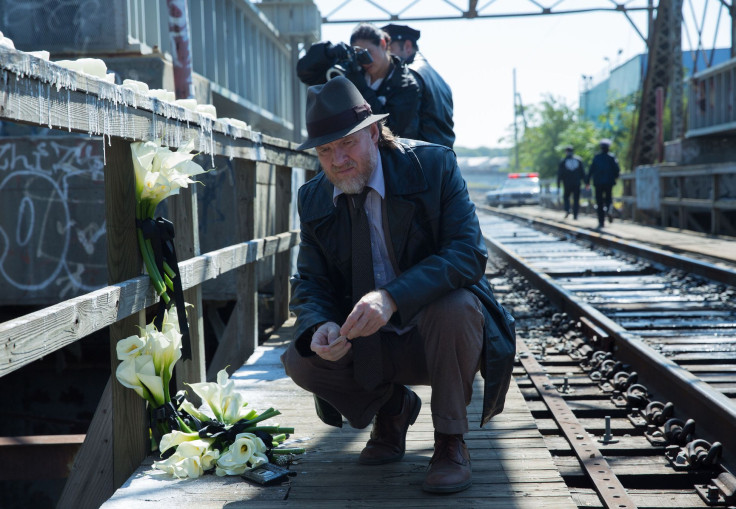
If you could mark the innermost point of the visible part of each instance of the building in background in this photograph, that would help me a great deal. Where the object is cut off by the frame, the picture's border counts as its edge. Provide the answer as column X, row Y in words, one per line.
column 627, row 78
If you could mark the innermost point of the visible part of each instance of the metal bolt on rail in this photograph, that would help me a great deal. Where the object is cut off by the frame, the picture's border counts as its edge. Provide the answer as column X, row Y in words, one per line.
column 607, row 437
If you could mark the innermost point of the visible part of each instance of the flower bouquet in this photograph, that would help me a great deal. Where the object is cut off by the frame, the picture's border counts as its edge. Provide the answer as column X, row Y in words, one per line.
column 224, row 437
column 160, row 173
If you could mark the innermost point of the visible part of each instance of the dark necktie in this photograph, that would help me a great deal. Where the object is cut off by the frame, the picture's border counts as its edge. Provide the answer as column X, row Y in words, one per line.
column 366, row 350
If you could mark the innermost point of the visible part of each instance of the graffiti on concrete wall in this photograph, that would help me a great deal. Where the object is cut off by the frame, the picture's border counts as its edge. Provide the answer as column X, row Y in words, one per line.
column 52, row 219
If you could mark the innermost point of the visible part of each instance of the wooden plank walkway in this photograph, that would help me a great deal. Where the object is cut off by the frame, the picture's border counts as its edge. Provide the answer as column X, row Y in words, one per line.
column 512, row 467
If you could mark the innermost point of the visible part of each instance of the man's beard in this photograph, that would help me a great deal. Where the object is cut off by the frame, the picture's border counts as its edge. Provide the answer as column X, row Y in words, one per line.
column 356, row 183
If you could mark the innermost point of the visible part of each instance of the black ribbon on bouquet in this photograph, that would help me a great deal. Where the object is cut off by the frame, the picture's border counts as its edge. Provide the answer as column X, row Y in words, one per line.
column 161, row 233
column 227, row 434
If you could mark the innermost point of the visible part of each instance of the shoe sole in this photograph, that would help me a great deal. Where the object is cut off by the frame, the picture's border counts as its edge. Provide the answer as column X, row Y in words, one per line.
column 398, row 457
column 447, row 489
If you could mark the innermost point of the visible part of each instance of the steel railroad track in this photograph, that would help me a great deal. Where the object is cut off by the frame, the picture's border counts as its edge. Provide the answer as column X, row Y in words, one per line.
column 629, row 365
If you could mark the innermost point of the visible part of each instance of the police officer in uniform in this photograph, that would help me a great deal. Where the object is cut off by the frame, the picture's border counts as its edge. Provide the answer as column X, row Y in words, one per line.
column 435, row 109
column 570, row 173
column 603, row 172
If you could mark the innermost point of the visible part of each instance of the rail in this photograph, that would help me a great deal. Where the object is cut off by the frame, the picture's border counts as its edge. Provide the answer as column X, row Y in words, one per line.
column 37, row 92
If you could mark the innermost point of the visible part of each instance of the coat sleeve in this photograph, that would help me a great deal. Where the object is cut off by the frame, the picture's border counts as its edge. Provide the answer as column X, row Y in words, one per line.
column 456, row 254
column 314, row 298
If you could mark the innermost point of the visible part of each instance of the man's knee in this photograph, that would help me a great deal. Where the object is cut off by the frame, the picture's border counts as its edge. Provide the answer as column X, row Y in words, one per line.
column 458, row 309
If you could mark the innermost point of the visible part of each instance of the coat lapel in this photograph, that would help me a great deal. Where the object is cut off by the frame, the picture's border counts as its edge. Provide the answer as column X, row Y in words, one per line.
column 403, row 176
column 330, row 224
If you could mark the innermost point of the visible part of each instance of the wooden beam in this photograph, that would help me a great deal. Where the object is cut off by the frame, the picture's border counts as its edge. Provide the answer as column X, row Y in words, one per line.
column 90, row 481
column 35, row 335
column 38, row 92
column 282, row 266
column 240, row 338
column 20, row 456
column 183, row 211
column 129, row 419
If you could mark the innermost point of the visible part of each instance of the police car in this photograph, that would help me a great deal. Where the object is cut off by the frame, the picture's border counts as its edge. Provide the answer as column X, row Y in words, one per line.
column 517, row 189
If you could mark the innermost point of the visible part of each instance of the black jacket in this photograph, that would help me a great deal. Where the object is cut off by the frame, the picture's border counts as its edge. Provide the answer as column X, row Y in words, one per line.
column 603, row 171
column 398, row 95
column 437, row 245
column 570, row 177
column 435, row 109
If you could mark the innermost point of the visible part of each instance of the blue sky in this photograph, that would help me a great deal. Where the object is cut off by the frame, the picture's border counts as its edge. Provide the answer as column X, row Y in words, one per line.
column 550, row 54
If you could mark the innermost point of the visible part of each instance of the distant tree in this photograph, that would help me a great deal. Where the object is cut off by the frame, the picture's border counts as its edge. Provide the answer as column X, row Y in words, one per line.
column 552, row 125
column 539, row 147
column 618, row 123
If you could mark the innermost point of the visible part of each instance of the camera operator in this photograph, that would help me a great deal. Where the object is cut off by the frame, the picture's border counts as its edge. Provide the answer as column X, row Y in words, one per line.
column 383, row 80
column 435, row 110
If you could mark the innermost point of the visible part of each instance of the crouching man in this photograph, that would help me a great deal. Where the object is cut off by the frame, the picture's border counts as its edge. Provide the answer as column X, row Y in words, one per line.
column 390, row 289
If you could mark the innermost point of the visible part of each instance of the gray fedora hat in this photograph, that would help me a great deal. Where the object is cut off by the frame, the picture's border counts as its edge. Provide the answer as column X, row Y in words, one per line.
column 335, row 110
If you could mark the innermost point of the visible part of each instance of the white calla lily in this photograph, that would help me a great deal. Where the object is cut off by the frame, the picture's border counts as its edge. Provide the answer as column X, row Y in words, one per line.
column 129, row 372
column 233, row 407
column 245, row 453
column 209, row 458
column 165, row 350
column 175, row 438
column 130, row 347
column 191, row 458
column 209, row 393
column 143, row 154
column 155, row 385
column 188, row 407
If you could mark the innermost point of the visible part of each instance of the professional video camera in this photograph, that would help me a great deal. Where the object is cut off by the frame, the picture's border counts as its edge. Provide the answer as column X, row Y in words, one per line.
column 324, row 61
column 348, row 59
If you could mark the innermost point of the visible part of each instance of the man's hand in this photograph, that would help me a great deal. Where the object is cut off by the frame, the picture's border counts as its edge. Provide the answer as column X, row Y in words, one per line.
column 327, row 344
column 369, row 314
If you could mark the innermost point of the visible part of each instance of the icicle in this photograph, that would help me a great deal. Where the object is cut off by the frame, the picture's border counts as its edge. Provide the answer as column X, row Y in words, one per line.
column 154, row 134
column 212, row 142
column 48, row 102
column 258, row 139
column 69, row 109
column 177, row 133
column 40, row 103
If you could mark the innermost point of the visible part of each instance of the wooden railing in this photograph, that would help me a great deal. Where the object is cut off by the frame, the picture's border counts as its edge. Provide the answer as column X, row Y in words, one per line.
column 712, row 94
column 701, row 198
column 34, row 91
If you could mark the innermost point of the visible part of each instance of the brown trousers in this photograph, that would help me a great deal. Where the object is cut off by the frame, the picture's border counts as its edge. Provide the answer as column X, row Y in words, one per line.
column 442, row 351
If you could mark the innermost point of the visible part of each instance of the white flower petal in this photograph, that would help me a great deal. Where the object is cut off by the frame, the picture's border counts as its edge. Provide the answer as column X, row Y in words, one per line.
column 130, row 347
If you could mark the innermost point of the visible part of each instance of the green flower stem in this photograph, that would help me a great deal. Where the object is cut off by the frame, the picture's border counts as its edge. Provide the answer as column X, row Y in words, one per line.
column 183, row 426
column 269, row 429
column 153, row 273
column 169, row 271
column 169, row 282
column 289, row 450
column 151, row 209
column 265, row 415
column 279, row 438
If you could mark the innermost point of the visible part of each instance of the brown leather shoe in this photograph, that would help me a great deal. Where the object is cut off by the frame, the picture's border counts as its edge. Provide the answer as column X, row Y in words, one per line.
column 388, row 436
column 449, row 469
